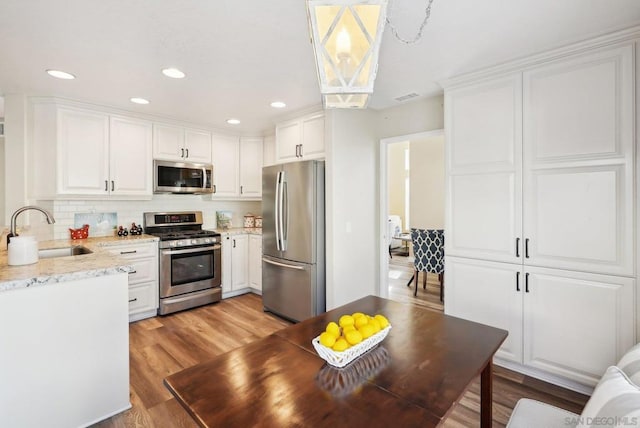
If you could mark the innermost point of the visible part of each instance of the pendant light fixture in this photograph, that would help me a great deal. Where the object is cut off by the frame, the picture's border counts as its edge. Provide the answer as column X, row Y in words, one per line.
column 346, row 36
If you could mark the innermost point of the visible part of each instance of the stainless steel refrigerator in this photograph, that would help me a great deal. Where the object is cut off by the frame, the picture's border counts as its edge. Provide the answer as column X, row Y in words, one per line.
column 293, row 261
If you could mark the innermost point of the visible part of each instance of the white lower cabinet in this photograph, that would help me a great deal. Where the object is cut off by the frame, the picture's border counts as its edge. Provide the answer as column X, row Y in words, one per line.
column 235, row 264
column 568, row 324
column 255, row 262
column 143, row 279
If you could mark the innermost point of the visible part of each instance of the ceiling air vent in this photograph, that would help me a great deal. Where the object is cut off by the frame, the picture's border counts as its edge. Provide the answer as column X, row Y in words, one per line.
column 406, row 97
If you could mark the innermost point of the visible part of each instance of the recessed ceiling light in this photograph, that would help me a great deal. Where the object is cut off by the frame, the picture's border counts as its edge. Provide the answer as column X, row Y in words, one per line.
column 138, row 100
column 233, row 121
column 278, row 104
column 173, row 72
column 60, row 74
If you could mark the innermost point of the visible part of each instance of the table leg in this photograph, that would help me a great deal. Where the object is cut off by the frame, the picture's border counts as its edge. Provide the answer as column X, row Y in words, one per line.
column 486, row 396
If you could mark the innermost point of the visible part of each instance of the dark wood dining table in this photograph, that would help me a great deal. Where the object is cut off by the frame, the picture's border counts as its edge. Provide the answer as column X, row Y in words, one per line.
column 413, row 378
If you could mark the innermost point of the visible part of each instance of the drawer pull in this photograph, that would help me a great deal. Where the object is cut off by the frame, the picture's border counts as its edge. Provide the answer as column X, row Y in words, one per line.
column 129, row 252
column 133, row 300
column 132, row 272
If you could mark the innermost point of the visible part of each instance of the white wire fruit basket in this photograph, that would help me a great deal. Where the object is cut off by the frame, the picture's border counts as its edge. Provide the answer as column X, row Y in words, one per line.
column 341, row 359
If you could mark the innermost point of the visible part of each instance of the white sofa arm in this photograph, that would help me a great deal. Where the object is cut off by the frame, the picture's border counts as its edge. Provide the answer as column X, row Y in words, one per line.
column 535, row 414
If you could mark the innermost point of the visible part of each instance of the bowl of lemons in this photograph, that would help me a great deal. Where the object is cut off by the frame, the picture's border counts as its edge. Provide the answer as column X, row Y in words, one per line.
column 354, row 334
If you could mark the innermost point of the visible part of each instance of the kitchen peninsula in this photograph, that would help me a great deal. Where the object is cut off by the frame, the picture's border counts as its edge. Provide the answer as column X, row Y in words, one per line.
column 65, row 348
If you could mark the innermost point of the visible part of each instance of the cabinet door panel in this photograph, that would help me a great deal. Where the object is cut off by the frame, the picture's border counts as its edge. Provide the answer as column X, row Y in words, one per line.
column 577, row 324
column 239, row 262
column 168, row 142
column 83, row 156
column 130, row 147
column 484, row 123
column 288, row 137
column 197, row 146
column 255, row 261
column 251, row 167
column 313, row 136
column 484, row 216
column 579, row 218
column 225, row 156
column 484, row 166
column 581, row 107
column 486, row 292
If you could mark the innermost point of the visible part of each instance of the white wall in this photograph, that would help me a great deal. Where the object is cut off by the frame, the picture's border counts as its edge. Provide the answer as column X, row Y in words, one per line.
column 421, row 115
column 351, row 205
column 15, row 153
column 427, row 183
column 3, row 181
column 396, row 176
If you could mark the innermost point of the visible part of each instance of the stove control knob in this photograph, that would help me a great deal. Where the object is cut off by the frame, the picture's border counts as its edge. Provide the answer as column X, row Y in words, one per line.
column 172, row 243
column 194, row 241
column 207, row 240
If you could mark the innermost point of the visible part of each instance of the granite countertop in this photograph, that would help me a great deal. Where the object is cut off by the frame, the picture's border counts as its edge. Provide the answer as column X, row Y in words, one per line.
column 53, row 270
column 241, row 230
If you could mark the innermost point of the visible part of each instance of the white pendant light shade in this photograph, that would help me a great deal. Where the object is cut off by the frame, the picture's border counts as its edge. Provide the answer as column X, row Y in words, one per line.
column 346, row 38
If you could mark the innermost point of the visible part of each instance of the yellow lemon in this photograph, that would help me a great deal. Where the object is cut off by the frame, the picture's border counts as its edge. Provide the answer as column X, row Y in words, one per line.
column 367, row 330
column 346, row 320
column 348, row 328
column 376, row 324
column 357, row 315
column 327, row 339
column 360, row 321
column 384, row 322
column 340, row 345
column 353, row 337
column 333, row 328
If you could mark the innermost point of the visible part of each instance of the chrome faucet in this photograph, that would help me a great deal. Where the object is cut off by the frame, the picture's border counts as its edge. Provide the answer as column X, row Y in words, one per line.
column 14, row 217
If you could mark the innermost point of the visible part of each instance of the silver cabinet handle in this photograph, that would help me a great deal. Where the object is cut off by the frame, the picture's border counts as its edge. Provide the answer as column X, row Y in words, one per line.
column 214, row 189
column 132, row 272
column 301, row 154
column 518, row 281
column 129, row 252
column 517, row 247
column 526, row 248
column 526, row 282
column 234, row 243
column 112, row 185
column 187, row 150
column 241, row 189
column 282, row 264
column 133, row 300
column 106, row 185
column 182, row 151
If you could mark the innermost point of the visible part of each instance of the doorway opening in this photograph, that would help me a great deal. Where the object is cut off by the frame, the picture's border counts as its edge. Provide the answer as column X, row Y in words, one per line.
column 412, row 192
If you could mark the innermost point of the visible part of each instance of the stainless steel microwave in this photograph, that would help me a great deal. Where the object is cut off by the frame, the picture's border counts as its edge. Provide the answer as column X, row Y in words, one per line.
column 182, row 177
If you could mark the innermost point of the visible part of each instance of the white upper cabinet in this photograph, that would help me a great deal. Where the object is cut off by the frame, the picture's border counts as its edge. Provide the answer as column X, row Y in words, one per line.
column 540, row 165
column 237, row 167
column 130, row 149
column 300, row 139
column 225, row 156
column 181, row 144
column 578, row 163
column 484, row 161
column 251, row 167
column 81, row 153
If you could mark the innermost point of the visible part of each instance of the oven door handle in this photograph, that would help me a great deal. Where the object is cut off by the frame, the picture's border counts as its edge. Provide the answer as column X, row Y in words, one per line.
column 169, row 252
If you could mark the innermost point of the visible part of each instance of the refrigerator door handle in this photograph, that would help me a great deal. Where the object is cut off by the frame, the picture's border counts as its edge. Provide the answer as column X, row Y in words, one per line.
column 282, row 264
column 285, row 212
column 277, row 210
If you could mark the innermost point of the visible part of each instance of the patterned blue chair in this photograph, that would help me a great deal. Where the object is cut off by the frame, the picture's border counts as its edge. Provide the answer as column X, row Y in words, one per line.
column 428, row 250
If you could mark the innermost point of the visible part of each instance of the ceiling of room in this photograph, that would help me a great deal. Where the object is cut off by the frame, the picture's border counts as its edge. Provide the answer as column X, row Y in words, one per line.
column 240, row 55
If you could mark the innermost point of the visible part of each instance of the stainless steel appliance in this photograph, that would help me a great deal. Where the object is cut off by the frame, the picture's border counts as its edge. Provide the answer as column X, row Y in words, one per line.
column 182, row 177
column 190, row 260
column 293, row 263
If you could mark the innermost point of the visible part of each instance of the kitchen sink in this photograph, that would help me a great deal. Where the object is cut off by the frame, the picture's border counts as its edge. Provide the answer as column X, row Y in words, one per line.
column 75, row 250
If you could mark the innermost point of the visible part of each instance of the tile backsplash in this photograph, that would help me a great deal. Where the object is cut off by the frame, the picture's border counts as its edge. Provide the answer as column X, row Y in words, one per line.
column 131, row 211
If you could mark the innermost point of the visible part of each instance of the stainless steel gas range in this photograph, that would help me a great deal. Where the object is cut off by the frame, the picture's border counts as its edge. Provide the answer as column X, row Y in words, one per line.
column 190, row 260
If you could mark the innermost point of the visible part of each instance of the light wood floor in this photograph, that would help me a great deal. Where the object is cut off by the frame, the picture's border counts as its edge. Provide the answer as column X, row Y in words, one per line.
column 165, row 345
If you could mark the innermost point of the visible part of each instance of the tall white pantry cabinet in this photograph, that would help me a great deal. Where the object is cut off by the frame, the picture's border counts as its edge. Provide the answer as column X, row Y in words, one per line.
column 541, row 206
